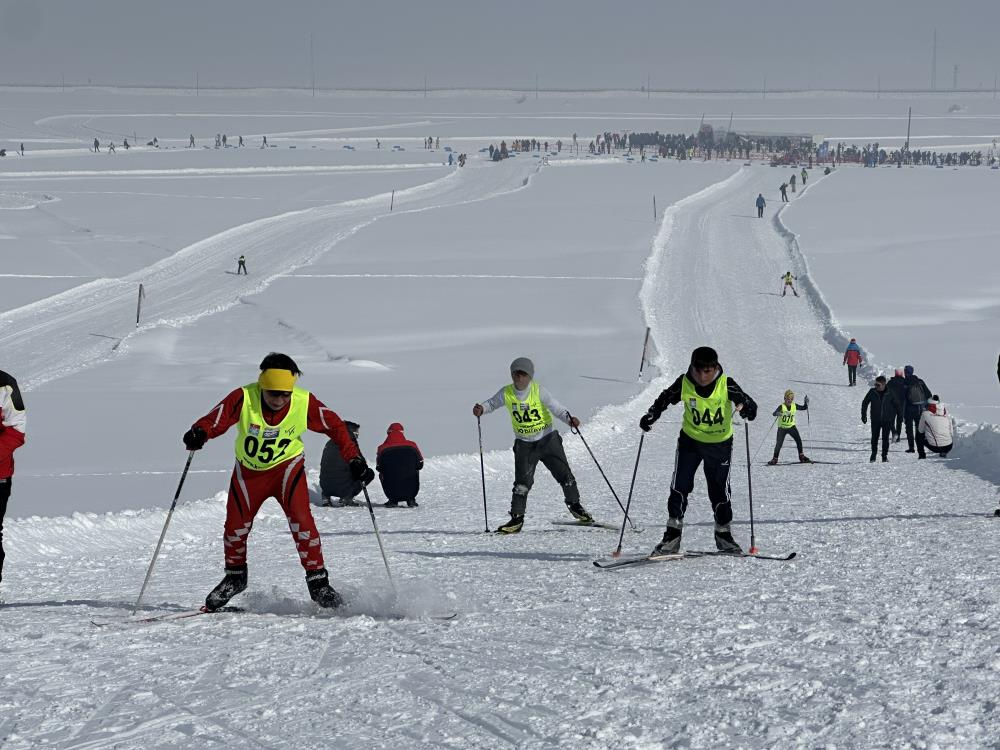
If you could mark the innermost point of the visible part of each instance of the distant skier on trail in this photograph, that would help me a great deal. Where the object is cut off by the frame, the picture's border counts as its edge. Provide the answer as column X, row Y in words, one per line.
column 241, row 266
column 852, row 358
column 784, row 192
column 531, row 408
column 805, row 175
column 706, row 435
column 12, row 431
column 760, row 205
column 786, row 426
column 788, row 278
column 792, row 181
column 271, row 414
column 884, row 408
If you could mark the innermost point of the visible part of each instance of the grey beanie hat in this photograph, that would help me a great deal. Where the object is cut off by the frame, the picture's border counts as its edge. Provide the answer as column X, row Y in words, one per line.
column 523, row 364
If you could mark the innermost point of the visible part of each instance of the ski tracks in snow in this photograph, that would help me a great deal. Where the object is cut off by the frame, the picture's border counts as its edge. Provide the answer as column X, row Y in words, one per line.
column 59, row 335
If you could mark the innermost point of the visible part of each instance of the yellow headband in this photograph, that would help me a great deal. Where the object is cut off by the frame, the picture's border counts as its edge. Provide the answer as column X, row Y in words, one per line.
column 276, row 380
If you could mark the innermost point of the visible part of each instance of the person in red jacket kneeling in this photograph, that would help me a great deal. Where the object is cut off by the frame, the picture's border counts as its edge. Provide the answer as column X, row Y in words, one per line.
column 271, row 415
column 399, row 462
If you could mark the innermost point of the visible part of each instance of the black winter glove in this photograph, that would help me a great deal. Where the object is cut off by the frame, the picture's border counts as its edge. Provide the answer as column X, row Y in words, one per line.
column 195, row 439
column 360, row 470
column 864, row 420
column 749, row 412
column 646, row 421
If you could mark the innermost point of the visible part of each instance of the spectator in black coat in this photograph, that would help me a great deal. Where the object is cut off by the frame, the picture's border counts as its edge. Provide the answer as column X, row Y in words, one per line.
column 398, row 463
column 917, row 394
column 884, row 409
column 335, row 479
column 897, row 387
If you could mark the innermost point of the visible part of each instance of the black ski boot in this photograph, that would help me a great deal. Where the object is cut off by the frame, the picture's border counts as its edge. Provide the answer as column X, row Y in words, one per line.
column 513, row 526
column 320, row 590
column 671, row 542
column 411, row 503
column 234, row 583
column 579, row 513
column 724, row 541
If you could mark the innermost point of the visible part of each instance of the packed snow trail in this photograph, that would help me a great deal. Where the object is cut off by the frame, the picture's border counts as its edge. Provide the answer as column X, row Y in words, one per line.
column 882, row 632
column 87, row 324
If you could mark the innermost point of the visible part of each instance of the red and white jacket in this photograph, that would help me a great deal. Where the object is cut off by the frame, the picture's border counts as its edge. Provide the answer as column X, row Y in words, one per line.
column 12, row 423
column 320, row 419
column 936, row 425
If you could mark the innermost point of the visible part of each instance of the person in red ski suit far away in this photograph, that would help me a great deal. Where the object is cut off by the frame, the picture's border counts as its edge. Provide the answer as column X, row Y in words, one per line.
column 270, row 415
column 398, row 463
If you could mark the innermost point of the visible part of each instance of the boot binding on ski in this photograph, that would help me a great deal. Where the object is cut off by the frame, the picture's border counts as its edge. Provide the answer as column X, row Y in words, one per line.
column 234, row 583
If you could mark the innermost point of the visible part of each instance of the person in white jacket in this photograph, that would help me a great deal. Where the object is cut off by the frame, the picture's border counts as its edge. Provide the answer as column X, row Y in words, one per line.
column 937, row 427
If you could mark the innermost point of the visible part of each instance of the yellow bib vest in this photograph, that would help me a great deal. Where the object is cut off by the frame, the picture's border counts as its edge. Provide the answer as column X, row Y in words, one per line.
column 260, row 446
column 707, row 420
column 526, row 417
column 787, row 419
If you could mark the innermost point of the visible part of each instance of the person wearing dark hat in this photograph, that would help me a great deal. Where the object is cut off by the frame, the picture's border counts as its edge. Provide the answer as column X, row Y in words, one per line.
column 335, row 480
column 270, row 415
column 707, row 395
column 13, row 422
column 531, row 408
column 917, row 394
column 884, row 408
column 398, row 463
column 897, row 387
column 937, row 427
column 852, row 358
column 786, row 426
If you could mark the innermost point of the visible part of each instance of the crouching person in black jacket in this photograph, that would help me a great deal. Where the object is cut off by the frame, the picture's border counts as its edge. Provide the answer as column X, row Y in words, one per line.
column 335, row 480
column 398, row 464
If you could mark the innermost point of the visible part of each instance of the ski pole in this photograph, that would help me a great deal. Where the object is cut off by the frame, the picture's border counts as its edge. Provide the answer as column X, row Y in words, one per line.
column 482, row 473
column 156, row 552
column 576, row 430
column 765, row 438
column 753, row 539
column 378, row 537
column 628, row 503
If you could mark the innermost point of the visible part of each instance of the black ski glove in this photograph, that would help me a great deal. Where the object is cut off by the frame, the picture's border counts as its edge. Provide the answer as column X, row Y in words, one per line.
column 195, row 439
column 749, row 412
column 360, row 470
column 647, row 420
column 864, row 419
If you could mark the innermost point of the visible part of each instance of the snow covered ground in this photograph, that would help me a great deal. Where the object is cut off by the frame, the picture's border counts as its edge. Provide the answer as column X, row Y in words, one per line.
column 881, row 633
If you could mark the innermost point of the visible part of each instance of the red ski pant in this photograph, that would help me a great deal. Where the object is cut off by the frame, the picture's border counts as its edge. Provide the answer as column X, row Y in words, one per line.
column 249, row 489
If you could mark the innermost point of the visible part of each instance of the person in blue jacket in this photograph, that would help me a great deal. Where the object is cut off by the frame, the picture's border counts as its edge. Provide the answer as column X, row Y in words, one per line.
column 760, row 205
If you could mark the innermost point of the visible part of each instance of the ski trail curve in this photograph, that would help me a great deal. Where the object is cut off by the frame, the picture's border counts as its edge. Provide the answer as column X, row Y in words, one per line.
column 59, row 335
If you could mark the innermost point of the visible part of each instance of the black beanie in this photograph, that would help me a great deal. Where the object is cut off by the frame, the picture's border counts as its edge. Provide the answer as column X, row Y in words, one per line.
column 704, row 356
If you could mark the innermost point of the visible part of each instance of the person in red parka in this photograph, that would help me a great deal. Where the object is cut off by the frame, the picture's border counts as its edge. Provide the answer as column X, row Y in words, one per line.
column 852, row 358
column 399, row 462
column 12, row 429
column 271, row 414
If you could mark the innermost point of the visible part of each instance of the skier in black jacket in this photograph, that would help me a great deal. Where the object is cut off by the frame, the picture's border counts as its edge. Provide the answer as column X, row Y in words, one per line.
column 884, row 408
column 706, row 435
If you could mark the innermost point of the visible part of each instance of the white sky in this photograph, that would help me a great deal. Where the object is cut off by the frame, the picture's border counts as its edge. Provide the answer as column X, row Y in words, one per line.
column 711, row 44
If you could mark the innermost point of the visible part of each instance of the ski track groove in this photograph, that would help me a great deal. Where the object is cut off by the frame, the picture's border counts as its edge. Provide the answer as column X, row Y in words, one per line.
column 186, row 286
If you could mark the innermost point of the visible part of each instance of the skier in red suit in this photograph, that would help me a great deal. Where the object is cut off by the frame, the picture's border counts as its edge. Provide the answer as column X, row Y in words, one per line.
column 271, row 415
